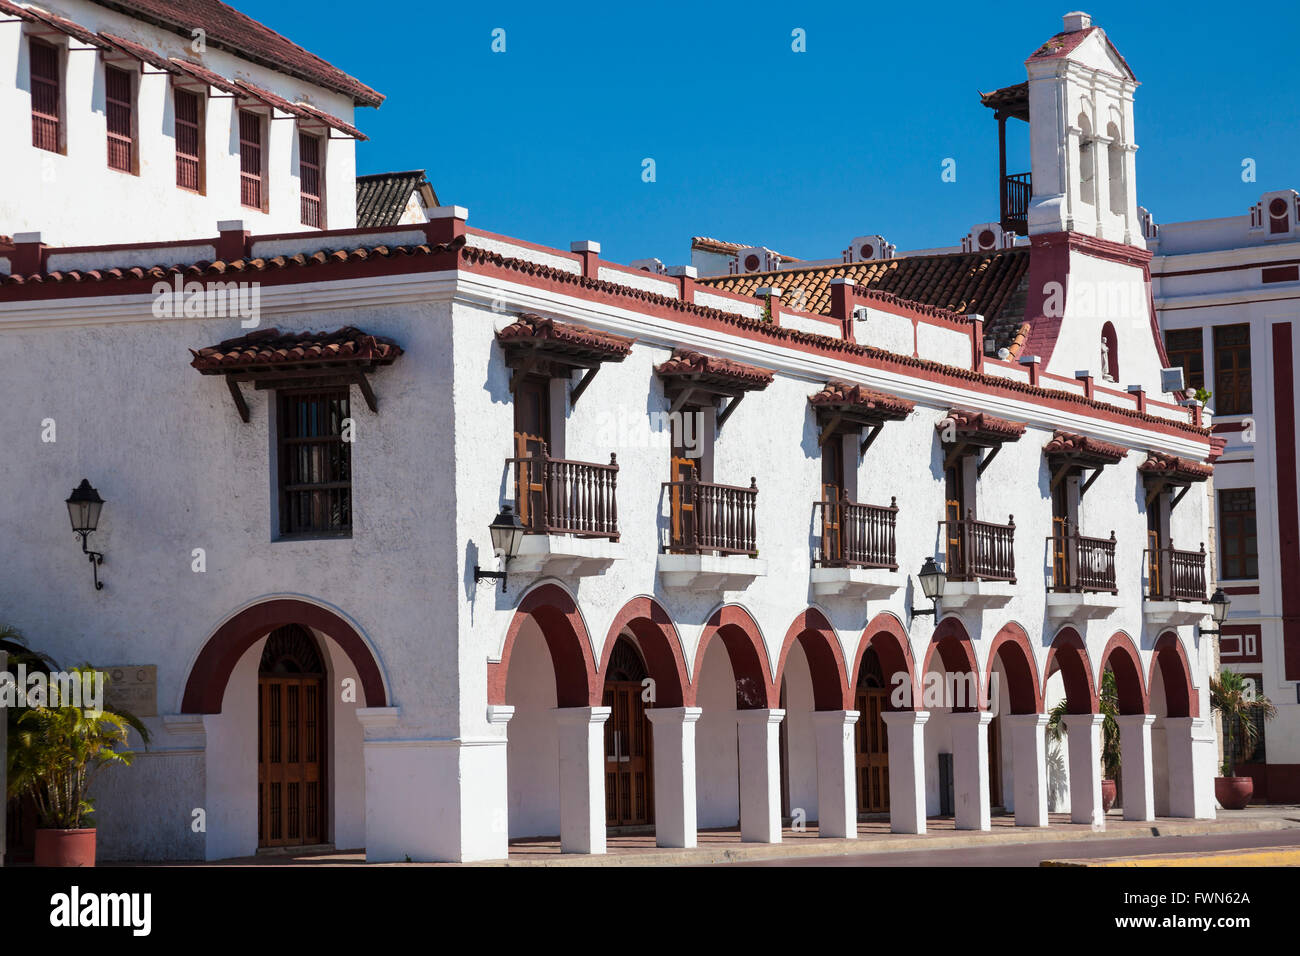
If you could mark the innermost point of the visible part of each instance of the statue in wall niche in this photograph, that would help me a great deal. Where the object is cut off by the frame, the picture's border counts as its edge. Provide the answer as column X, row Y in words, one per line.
column 1105, row 360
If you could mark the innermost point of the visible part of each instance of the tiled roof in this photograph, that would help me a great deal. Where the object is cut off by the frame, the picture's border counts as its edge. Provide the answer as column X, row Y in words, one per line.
column 205, row 75
column 1012, row 100
column 876, row 404
column 271, row 349
column 713, row 370
column 1065, row 43
column 721, row 246
column 977, row 282
column 222, row 267
column 382, row 197
column 980, row 426
column 1160, row 465
column 228, row 29
column 74, row 30
column 141, row 53
column 1083, row 448
column 551, row 336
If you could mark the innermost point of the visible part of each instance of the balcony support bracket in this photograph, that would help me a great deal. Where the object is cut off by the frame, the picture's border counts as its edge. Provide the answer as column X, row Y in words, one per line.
column 731, row 407
column 988, row 459
column 582, row 385
column 867, row 442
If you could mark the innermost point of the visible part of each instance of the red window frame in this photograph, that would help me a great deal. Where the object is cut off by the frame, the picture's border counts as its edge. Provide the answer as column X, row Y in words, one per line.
column 189, row 140
column 119, row 112
column 311, row 177
column 47, row 95
column 252, row 184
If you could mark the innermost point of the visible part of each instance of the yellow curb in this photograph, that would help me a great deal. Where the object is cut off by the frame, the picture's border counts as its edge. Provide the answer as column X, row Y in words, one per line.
column 1265, row 856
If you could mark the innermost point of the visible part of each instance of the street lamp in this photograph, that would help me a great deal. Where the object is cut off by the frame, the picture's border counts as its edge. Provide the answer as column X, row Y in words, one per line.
column 84, row 505
column 1219, row 605
column 507, row 532
column 932, row 583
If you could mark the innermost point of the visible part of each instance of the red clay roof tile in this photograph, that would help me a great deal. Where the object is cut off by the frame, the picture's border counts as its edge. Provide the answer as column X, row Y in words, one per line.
column 271, row 349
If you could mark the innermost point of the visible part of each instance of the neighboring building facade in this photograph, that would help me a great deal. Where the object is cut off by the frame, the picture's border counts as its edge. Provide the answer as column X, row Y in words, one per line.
column 1228, row 295
column 711, row 617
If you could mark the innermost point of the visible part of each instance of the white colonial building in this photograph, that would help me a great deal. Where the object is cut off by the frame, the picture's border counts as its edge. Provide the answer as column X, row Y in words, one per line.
column 725, row 485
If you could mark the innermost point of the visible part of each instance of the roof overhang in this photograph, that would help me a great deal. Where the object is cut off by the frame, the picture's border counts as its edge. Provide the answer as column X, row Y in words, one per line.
column 536, row 345
column 963, row 433
column 841, row 408
column 1068, row 453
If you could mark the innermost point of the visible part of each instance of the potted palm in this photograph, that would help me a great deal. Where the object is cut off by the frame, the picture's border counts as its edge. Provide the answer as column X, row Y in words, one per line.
column 1243, row 712
column 55, row 753
column 1108, row 705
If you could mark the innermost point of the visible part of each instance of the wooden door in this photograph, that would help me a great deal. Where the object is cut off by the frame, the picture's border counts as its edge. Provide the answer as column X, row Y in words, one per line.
column 833, row 485
column 682, row 504
column 871, row 750
column 291, row 741
column 629, row 798
column 1060, row 537
column 1154, row 578
column 954, row 514
column 532, row 437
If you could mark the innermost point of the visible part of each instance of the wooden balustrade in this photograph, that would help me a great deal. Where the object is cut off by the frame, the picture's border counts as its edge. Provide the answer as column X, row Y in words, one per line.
column 856, row 535
column 980, row 550
column 1080, row 563
column 1174, row 575
column 566, row 497
column 712, row 518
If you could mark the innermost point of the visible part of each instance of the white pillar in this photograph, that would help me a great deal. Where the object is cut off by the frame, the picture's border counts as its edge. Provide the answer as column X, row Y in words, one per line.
column 1083, row 732
column 1028, row 767
column 906, row 729
column 1192, row 755
column 1135, row 770
column 970, row 769
column 674, row 773
column 837, row 794
column 581, row 735
column 760, row 775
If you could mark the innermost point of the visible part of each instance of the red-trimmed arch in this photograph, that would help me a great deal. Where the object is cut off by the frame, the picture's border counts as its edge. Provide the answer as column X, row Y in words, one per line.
column 886, row 635
column 956, row 652
column 1069, row 654
column 1122, row 656
column 1023, row 691
column 211, row 671
column 660, row 647
column 561, row 624
column 739, row 633
column 825, row 660
column 1181, row 699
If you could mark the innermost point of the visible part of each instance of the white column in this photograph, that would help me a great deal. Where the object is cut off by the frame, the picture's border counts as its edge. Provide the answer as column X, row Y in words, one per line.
column 1192, row 757
column 581, row 735
column 674, row 773
column 837, row 794
column 760, row 775
column 1083, row 732
column 1135, row 770
column 970, row 769
column 906, row 730
column 1028, row 767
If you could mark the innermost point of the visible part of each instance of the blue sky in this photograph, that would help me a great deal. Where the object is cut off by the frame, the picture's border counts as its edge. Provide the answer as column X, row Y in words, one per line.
column 756, row 143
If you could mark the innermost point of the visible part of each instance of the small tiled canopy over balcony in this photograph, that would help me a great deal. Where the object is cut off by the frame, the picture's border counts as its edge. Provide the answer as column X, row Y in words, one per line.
column 1015, row 189
column 270, row 359
column 1082, row 581
column 712, row 534
column 568, row 508
column 980, row 555
column 855, row 555
column 1176, row 587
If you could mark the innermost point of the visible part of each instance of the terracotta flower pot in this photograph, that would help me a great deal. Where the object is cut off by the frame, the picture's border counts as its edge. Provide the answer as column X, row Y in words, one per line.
column 65, row 848
column 1233, row 793
column 1108, row 793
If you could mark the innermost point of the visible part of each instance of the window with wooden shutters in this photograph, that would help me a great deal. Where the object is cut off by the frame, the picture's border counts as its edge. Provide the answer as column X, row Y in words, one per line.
column 315, row 463
column 189, row 141
column 1232, row 369
column 47, row 130
column 311, row 180
column 1237, row 536
column 250, row 160
column 1186, row 351
column 117, row 107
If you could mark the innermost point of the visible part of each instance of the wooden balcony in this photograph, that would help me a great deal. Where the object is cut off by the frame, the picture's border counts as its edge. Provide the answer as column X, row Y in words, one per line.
column 1083, row 580
column 981, row 562
column 856, row 555
column 1176, row 588
column 1017, row 188
column 569, row 511
column 711, row 527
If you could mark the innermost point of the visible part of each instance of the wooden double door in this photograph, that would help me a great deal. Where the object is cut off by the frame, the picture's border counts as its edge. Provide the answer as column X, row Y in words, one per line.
column 629, row 760
column 291, row 714
column 871, row 750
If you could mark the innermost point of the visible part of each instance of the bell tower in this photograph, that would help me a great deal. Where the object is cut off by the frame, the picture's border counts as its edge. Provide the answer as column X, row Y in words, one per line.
column 1080, row 104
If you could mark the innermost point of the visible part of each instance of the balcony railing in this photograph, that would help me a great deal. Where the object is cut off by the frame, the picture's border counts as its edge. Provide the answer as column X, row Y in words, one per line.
column 1080, row 563
column 980, row 549
column 1174, row 575
column 1016, row 191
column 566, row 497
column 856, row 535
column 712, row 518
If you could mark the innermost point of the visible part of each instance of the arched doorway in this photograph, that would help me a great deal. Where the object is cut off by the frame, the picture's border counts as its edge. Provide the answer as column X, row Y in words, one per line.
column 629, row 763
column 871, row 742
column 291, row 738
column 1126, row 733
column 1017, row 755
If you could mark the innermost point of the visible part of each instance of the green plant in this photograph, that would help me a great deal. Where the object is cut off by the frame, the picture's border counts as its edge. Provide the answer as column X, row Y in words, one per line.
column 1108, row 706
column 56, row 752
column 1242, row 713
column 1203, row 395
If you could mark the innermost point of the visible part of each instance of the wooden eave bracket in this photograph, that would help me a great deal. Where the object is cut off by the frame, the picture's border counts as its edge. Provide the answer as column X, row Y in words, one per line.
column 988, row 459
column 297, row 378
column 731, row 407
column 870, row 439
column 582, row 385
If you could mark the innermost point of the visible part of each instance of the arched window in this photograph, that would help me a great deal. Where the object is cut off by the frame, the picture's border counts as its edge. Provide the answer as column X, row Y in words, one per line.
column 1115, row 157
column 1109, row 353
column 1087, row 167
